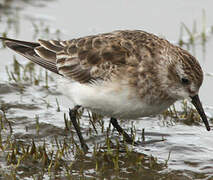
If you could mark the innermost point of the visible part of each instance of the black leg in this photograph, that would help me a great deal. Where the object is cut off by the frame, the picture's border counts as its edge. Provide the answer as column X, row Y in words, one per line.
column 127, row 138
column 72, row 113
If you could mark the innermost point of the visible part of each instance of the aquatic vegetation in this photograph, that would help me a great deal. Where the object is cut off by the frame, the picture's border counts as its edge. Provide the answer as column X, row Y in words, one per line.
column 66, row 159
column 186, row 114
column 193, row 35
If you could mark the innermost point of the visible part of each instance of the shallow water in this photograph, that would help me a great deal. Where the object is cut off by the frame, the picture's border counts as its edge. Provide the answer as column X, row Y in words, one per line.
column 188, row 147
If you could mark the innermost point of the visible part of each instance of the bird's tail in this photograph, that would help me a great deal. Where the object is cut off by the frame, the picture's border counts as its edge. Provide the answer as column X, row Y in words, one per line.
column 28, row 50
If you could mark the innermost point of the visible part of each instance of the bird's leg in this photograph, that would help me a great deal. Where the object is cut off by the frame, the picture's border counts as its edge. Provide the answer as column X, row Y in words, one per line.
column 127, row 138
column 72, row 114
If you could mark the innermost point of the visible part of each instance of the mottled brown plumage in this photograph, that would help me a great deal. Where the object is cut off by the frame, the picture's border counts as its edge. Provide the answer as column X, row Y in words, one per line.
column 135, row 70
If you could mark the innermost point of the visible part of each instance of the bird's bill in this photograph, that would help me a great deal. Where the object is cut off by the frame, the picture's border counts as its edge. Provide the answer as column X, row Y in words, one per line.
column 196, row 102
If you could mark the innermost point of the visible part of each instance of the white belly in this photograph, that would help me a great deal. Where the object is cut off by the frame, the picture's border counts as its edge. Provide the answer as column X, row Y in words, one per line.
column 111, row 100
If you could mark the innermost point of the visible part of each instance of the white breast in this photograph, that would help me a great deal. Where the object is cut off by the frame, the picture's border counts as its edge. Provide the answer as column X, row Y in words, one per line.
column 110, row 99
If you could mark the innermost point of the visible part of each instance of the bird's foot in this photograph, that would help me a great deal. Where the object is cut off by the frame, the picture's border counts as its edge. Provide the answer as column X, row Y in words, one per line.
column 72, row 114
column 127, row 138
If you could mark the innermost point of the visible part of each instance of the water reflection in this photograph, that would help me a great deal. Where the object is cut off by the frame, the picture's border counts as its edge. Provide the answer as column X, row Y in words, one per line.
column 10, row 16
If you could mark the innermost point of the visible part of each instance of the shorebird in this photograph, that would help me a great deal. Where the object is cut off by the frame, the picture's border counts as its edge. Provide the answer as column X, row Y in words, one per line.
column 123, row 74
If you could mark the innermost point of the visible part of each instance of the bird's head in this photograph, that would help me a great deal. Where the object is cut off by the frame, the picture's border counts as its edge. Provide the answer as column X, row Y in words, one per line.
column 186, row 76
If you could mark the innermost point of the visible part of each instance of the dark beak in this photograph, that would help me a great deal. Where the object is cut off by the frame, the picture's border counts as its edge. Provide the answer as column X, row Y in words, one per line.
column 196, row 102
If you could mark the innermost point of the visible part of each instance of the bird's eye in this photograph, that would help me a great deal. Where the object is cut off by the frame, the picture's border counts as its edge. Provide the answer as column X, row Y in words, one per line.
column 185, row 81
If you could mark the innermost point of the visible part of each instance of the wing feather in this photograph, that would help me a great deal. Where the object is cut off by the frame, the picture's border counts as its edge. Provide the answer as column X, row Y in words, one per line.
column 84, row 60
column 27, row 50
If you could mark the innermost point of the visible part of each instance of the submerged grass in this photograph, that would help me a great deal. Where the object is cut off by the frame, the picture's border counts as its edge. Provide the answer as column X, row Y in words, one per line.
column 62, row 157
column 193, row 35
column 186, row 114
column 22, row 74
column 65, row 159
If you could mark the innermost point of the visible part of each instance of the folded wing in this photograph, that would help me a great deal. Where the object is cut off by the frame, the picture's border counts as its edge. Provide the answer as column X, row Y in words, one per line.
column 84, row 60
